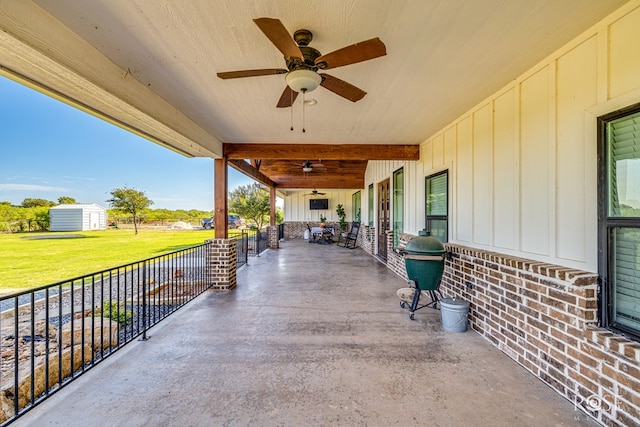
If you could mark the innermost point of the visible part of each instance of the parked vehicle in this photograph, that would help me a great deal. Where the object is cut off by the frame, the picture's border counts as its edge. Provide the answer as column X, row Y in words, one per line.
column 233, row 221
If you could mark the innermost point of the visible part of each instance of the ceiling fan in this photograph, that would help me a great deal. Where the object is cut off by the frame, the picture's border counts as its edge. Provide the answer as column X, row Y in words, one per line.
column 307, row 166
column 315, row 193
column 303, row 62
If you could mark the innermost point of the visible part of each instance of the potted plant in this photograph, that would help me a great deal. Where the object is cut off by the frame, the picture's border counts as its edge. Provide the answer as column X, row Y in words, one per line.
column 342, row 217
column 323, row 220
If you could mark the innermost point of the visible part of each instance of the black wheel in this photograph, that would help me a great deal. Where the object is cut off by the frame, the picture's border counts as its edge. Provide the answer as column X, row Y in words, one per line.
column 402, row 304
column 411, row 316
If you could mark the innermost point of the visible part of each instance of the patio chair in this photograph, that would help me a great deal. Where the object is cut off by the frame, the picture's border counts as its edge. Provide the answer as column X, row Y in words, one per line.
column 350, row 239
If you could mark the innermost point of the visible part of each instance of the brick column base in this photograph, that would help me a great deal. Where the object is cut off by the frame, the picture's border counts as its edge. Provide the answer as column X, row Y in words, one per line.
column 222, row 263
column 367, row 239
column 274, row 241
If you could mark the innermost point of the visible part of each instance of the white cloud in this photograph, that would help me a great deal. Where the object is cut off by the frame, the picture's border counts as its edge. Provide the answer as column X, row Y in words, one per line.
column 68, row 178
column 32, row 187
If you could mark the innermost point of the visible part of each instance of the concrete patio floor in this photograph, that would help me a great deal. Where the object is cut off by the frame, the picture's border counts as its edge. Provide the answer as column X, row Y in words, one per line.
column 313, row 335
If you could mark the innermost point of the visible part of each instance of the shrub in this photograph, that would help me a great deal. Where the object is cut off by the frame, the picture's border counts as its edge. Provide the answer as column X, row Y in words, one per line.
column 113, row 311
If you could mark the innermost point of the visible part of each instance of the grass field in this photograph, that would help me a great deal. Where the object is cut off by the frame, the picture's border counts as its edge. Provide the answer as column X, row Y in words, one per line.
column 27, row 261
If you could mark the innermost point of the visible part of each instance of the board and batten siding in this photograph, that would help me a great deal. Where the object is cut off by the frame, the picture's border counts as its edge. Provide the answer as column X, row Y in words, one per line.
column 296, row 205
column 522, row 163
column 413, row 190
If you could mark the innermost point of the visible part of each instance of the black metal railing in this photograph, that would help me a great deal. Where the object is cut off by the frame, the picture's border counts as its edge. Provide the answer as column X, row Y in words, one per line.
column 54, row 333
column 250, row 243
column 242, row 248
column 280, row 231
column 261, row 242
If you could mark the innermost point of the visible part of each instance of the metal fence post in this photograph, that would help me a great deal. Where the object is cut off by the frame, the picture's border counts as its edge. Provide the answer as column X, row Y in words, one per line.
column 144, row 301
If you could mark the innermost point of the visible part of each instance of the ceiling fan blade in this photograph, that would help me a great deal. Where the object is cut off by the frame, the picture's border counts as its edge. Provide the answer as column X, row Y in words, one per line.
column 251, row 73
column 362, row 51
column 342, row 88
column 279, row 36
column 286, row 99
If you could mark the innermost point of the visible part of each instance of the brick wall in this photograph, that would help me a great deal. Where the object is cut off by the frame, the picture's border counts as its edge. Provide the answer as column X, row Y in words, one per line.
column 545, row 317
column 296, row 229
column 274, row 238
column 367, row 239
column 395, row 261
column 222, row 259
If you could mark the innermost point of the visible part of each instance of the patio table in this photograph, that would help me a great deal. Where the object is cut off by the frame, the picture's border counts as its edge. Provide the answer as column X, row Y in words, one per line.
column 322, row 235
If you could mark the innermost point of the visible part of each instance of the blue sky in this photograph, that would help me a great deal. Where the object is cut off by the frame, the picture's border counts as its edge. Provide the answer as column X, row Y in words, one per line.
column 49, row 149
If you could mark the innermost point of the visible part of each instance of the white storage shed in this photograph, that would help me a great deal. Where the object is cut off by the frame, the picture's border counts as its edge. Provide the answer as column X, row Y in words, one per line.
column 78, row 217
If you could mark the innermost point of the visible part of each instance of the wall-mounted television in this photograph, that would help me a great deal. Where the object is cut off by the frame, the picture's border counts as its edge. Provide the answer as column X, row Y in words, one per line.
column 318, row 204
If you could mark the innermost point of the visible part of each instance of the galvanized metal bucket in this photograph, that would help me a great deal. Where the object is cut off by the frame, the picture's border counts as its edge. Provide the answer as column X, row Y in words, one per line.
column 454, row 313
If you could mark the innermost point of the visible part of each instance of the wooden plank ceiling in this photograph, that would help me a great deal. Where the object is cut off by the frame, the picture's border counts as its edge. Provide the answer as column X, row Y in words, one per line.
column 332, row 166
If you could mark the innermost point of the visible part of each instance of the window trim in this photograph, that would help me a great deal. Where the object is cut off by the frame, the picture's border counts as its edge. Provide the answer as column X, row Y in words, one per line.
column 445, row 217
column 606, row 225
column 370, row 205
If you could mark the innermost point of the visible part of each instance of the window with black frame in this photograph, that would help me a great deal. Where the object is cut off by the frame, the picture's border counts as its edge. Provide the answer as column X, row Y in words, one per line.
column 398, row 205
column 436, row 209
column 356, row 203
column 619, row 220
column 370, row 206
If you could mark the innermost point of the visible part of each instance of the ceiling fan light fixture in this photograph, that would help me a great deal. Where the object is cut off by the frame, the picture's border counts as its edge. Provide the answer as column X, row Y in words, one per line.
column 303, row 80
column 307, row 167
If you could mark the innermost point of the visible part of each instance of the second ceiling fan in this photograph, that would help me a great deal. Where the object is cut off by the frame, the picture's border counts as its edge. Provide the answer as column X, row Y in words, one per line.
column 307, row 166
column 303, row 63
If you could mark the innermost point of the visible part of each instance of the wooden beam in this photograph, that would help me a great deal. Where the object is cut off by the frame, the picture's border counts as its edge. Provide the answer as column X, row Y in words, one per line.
column 326, row 181
column 220, row 197
column 322, row 151
column 247, row 169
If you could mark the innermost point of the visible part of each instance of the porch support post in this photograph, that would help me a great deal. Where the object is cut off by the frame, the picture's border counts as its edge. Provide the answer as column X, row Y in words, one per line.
column 222, row 251
column 220, row 197
column 272, row 199
column 274, row 240
column 272, row 229
column 223, row 260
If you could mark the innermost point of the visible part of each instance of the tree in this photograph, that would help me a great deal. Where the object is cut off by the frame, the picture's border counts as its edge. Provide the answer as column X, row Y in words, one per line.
column 279, row 215
column 65, row 200
column 42, row 220
column 342, row 215
column 131, row 201
column 250, row 202
column 34, row 203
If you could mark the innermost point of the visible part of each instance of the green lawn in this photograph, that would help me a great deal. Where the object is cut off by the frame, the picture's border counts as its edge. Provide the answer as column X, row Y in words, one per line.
column 27, row 262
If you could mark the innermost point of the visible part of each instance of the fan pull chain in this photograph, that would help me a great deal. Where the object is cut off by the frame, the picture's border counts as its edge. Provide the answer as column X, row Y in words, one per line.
column 304, row 102
column 291, row 94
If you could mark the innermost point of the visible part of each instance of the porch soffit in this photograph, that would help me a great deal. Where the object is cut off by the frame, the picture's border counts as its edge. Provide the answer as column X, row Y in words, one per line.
column 152, row 70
